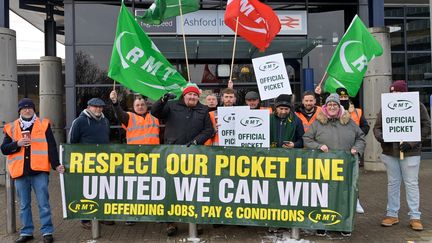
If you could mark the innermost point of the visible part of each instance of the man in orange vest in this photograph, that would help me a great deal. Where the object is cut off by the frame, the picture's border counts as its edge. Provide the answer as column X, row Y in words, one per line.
column 31, row 151
column 308, row 110
column 228, row 98
column 211, row 102
column 141, row 127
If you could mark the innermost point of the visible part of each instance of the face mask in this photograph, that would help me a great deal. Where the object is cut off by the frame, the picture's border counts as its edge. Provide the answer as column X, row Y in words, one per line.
column 345, row 104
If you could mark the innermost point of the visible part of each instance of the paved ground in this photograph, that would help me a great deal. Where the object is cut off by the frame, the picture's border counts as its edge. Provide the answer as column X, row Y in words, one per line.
column 367, row 226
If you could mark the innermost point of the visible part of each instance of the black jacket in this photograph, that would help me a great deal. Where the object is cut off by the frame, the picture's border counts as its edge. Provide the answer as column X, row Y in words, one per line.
column 9, row 147
column 86, row 129
column 183, row 124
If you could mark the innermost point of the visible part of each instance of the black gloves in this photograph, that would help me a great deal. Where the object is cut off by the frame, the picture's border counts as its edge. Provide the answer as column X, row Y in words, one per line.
column 193, row 142
column 168, row 96
column 405, row 147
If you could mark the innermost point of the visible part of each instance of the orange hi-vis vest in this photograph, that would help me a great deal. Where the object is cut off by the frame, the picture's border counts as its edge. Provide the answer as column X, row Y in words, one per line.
column 356, row 115
column 306, row 123
column 215, row 139
column 39, row 148
column 142, row 130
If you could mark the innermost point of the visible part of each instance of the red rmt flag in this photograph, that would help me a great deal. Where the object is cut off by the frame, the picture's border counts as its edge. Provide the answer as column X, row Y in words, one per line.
column 258, row 24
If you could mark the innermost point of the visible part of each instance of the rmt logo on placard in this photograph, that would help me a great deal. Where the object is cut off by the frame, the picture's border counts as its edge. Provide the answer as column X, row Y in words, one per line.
column 269, row 66
column 251, row 121
column 400, row 105
column 325, row 217
column 228, row 118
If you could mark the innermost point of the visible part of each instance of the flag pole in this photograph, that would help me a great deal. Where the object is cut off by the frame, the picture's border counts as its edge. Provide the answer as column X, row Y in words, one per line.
column 234, row 47
column 184, row 41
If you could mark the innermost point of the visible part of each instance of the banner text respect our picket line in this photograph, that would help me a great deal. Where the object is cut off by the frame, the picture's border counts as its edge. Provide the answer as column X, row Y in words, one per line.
column 209, row 185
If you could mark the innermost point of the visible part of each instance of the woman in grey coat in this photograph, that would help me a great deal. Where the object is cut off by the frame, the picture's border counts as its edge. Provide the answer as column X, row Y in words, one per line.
column 333, row 129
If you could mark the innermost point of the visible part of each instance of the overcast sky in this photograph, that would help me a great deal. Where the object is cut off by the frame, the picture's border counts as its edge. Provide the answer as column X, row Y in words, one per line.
column 30, row 40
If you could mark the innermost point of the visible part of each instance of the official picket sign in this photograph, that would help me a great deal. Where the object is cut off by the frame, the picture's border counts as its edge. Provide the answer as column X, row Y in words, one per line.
column 226, row 124
column 271, row 76
column 210, row 185
column 252, row 128
column 401, row 117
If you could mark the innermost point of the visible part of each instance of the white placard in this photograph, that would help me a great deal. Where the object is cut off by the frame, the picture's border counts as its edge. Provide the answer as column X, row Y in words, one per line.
column 226, row 124
column 252, row 128
column 401, row 117
column 271, row 76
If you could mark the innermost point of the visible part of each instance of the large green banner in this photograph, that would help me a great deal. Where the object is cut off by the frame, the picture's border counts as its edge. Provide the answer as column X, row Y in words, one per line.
column 210, row 185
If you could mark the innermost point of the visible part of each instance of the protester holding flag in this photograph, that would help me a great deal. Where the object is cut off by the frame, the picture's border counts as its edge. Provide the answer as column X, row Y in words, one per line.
column 141, row 127
column 334, row 130
column 406, row 169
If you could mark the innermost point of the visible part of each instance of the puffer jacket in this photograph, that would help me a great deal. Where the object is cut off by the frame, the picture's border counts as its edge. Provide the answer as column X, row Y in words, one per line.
column 183, row 124
column 337, row 134
column 392, row 148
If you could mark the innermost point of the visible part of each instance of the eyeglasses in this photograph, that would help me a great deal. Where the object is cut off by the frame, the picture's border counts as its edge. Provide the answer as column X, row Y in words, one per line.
column 332, row 105
column 344, row 96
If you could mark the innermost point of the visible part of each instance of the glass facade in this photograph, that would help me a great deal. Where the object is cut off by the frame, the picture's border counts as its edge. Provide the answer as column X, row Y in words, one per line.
column 411, row 49
column 91, row 38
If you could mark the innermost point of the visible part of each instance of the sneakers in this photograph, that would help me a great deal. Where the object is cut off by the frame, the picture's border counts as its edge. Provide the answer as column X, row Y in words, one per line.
column 321, row 232
column 389, row 221
column 359, row 208
column 48, row 239
column 129, row 223
column 416, row 224
column 345, row 233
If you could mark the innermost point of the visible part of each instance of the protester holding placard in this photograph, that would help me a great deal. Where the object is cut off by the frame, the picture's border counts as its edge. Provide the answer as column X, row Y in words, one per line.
column 334, row 130
column 406, row 169
column 252, row 99
column 187, row 122
column 228, row 98
column 286, row 129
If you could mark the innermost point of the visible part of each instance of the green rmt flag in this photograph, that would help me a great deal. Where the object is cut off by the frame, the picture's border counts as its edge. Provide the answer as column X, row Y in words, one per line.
column 351, row 57
column 137, row 63
column 161, row 10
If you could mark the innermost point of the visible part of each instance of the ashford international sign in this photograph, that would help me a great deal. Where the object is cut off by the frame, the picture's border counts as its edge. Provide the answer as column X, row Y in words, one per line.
column 210, row 185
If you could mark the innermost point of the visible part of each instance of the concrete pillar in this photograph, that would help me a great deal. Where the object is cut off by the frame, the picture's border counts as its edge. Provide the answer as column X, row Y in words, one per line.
column 376, row 81
column 51, row 95
column 8, row 111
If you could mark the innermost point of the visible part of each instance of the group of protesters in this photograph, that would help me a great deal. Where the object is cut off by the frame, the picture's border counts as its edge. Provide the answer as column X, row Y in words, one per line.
column 335, row 125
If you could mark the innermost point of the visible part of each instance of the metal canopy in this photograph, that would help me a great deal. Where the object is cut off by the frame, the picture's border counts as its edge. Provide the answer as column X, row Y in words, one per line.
column 221, row 48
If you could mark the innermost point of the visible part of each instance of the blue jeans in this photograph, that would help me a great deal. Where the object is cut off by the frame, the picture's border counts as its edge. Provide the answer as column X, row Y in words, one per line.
column 23, row 186
column 406, row 170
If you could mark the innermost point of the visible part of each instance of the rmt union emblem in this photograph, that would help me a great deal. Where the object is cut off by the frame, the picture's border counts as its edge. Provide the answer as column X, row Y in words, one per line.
column 83, row 206
column 251, row 121
column 400, row 105
column 269, row 66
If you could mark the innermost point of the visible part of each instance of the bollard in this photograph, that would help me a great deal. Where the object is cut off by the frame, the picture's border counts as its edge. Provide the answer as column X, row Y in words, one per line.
column 295, row 233
column 10, row 205
column 193, row 234
column 95, row 229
